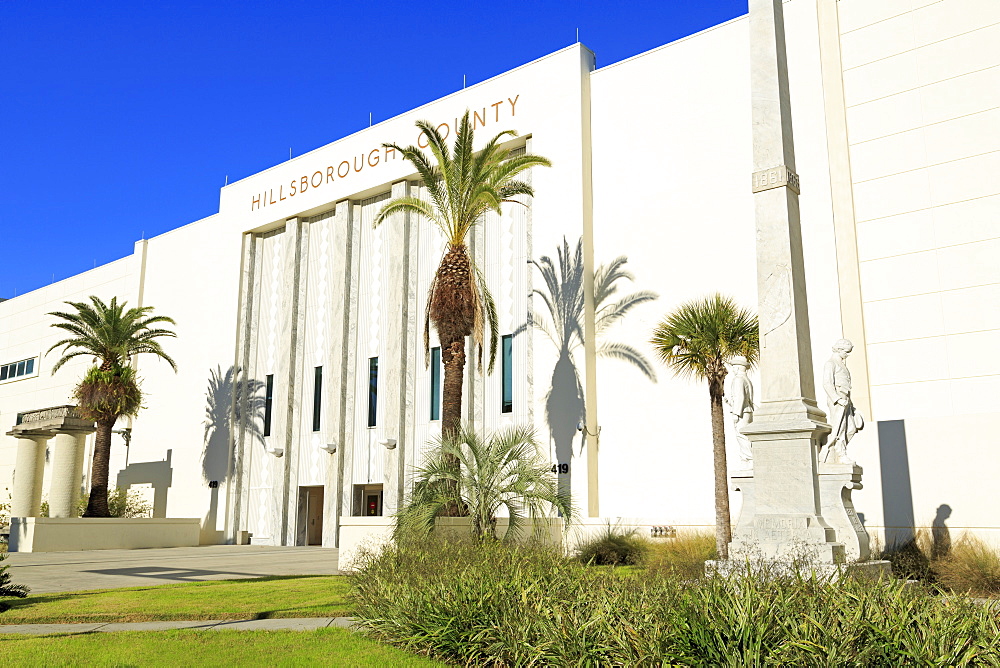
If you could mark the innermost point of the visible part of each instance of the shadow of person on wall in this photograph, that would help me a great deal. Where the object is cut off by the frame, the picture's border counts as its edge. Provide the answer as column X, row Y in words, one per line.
column 563, row 296
column 940, row 534
column 228, row 398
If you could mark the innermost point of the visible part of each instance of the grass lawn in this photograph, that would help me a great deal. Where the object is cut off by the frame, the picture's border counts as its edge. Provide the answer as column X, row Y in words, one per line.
column 263, row 598
column 331, row 647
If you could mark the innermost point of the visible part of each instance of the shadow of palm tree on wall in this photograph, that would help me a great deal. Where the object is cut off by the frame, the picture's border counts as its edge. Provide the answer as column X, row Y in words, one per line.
column 563, row 296
column 226, row 392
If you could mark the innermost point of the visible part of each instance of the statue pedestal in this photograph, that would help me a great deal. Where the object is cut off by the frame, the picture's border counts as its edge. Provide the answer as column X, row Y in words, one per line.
column 781, row 518
column 836, row 482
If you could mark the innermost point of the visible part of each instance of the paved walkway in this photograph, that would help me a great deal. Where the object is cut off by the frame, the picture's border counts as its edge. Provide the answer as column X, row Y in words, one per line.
column 49, row 572
column 303, row 624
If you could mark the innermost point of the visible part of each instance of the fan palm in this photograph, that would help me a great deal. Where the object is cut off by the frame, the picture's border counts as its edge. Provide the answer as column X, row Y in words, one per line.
column 501, row 470
column 695, row 341
column 109, row 390
column 463, row 186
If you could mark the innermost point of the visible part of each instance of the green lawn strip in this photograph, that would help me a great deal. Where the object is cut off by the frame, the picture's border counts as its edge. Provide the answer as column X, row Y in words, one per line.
column 330, row 647
column 263, row 598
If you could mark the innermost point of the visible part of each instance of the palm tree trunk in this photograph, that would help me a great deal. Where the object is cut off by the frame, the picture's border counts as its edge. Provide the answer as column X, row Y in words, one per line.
column 723, row 533
column 97, row 506
column 453, row 360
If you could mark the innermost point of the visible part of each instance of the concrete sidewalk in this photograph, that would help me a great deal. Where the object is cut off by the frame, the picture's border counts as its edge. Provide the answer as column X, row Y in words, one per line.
column 298, row 624
column 50, row 572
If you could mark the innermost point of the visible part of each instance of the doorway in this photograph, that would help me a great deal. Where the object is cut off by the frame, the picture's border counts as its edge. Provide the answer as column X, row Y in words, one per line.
column 368, row 500
column 310, row 515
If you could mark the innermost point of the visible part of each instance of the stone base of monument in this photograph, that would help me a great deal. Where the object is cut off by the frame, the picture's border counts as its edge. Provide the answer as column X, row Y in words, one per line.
column 873, row 570
column 833, row 545
column 836, row 482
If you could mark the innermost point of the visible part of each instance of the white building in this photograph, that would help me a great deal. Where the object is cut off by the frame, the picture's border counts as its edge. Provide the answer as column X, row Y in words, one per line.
column 896, row 111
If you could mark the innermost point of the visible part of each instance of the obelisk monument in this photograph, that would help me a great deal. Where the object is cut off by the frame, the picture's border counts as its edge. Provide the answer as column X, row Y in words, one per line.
column 787, row 425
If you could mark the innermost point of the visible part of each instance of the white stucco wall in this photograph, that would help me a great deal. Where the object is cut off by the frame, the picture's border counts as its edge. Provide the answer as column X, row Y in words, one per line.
column 672, row 164
column 922, row 87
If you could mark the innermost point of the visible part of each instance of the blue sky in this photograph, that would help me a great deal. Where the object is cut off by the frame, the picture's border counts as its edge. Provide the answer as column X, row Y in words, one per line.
column 119, row 120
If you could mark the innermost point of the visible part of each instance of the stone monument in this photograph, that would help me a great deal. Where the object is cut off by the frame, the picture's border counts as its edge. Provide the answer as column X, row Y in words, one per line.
column 784, row 514
column 739, row 405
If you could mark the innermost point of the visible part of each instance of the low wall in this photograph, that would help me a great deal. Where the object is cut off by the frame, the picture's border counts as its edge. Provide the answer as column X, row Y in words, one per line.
column 373, row 533
column 61, row 534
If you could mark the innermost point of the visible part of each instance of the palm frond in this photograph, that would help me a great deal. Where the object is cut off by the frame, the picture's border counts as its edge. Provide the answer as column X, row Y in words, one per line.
column 698, row 337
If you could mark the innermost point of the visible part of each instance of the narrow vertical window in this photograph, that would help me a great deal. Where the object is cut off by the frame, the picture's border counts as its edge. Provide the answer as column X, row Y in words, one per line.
column 372, row 390
column 268, row 400
column 317, row 397
column 435, row 383
column 507, row 405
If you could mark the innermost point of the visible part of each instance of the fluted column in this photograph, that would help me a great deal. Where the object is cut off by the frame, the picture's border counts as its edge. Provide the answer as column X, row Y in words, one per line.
column 67, row 461
column 28, row 471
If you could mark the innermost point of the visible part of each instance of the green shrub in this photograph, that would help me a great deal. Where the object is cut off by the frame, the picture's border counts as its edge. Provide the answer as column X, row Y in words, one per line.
column 5, row 508
column 494, row 604
column 684, row 556
column 970, row 566
column 910, row 559
column 122, row 502
column 612, row 547
column 7, row 588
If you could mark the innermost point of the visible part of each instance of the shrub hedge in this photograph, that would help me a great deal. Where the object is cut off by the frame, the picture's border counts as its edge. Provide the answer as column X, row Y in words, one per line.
column 490, row 604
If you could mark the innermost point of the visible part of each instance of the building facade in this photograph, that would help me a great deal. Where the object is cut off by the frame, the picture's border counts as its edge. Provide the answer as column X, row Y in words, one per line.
column 303, row 399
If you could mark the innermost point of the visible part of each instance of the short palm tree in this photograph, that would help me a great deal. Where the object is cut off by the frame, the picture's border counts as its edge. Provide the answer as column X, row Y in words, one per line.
column 7, row 588
column 112, row 335
column 695, row 341
column 503, row 470
column 463, row 186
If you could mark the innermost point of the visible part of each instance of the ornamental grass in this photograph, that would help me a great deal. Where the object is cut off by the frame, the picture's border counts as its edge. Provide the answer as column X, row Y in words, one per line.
column 497, row 605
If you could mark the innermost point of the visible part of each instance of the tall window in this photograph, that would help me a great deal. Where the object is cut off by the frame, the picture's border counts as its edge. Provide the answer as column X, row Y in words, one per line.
column 317, row 397
column 507, row 401
column 435, row 383
column 372, row 390
column 268, row 401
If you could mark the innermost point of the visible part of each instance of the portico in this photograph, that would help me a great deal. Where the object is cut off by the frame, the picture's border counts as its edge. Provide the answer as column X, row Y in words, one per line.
column 34, row 429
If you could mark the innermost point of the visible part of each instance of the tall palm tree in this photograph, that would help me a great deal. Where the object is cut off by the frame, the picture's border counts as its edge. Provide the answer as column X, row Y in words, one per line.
column 463, row 186
column 501, row 470
column 695, row 341
column 109, row 390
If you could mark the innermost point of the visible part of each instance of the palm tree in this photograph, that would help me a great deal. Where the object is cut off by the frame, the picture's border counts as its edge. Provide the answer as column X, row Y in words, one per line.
column 501, row 470
column 109, row 390
column 696, row 341
column 7, row 588
column 463, row 186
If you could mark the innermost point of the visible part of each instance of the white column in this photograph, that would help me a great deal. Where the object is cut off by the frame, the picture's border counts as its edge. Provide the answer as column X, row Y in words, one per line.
column 81, row 457
column 64, row 490
column 28, row 471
